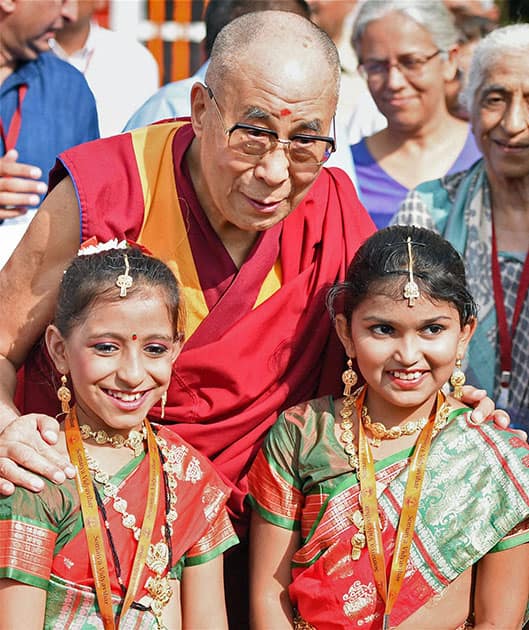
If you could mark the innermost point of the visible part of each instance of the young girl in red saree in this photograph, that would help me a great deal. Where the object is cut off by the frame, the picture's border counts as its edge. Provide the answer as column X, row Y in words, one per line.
column 136, row 540
column 388, row 508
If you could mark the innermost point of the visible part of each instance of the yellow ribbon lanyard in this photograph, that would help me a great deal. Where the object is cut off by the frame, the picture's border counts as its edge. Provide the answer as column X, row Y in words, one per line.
column 92, row 523
column 410, row 505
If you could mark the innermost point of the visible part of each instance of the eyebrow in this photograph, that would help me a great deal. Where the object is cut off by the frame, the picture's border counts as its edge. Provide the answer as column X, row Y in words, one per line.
column 256, row 113
column 494, row 87
column 389, row 322
column 119, row 337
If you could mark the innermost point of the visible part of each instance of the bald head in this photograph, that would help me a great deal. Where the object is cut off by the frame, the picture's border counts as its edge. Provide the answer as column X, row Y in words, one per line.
column 273, row 41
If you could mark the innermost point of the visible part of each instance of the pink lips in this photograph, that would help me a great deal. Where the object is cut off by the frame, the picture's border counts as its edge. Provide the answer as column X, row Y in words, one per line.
column 264, row 207
column 407, row 384
column 127, row 405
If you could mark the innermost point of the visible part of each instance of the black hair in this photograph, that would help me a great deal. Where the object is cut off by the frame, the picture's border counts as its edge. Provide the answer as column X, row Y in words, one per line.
column 92, row 277
column 381, row 266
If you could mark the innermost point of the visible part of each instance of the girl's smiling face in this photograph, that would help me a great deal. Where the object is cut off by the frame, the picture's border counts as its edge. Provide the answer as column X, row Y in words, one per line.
column 405, row 354
column 119, row 358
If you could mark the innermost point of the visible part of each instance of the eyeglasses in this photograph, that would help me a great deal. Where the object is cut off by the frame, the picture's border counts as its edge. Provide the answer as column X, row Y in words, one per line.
column 410, row 65
column 304, row 151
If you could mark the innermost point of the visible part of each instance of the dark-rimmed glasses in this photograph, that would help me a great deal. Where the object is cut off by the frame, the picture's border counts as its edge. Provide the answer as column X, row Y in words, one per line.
column 303, row 150
column 410, row 65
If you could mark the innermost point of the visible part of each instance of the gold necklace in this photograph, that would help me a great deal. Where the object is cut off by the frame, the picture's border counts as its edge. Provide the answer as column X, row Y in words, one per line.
column 347, row 436
column 159, row 587
column 134, row 441
column 380, row 432
column 358, row 540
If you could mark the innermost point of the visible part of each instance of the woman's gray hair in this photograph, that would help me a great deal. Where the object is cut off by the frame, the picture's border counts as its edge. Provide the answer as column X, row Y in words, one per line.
column 432, row 15
column 512, row 39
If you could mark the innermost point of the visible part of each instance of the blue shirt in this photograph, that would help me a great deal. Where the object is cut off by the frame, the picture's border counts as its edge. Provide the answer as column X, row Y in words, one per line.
column 170, row 101
column 58, row 112
column 381, row 194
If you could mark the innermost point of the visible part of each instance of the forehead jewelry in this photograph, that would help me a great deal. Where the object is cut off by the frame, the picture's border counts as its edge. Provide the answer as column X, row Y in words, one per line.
column 134, row 336
column 411, row 290
column 124, row 280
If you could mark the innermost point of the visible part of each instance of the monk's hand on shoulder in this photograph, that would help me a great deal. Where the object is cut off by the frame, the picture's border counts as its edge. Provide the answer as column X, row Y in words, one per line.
column 27, row 446
column 484, row 409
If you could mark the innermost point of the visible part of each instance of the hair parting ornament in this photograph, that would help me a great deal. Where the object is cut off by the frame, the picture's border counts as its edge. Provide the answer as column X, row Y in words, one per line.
column 124, row 280
column 411, row 289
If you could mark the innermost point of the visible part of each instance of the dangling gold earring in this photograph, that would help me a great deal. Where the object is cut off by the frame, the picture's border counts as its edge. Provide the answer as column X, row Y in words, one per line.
column 163, row 403
column 349, row 378
column 457, row 380
column 64, row 395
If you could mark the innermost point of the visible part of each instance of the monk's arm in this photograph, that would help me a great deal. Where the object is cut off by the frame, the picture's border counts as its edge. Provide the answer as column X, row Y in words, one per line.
column 502, row 589
column 29, row 285
column 271, row 551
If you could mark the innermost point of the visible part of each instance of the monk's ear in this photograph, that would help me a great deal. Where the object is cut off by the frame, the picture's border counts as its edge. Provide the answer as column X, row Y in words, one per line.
column 57, row 349
column 199, row 98
column 343, row 330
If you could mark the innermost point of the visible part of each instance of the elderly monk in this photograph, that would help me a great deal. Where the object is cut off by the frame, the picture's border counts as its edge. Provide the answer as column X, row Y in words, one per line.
column 238, row 203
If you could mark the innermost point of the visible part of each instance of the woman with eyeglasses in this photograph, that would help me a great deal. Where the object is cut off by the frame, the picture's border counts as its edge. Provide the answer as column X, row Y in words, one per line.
column 407, row 51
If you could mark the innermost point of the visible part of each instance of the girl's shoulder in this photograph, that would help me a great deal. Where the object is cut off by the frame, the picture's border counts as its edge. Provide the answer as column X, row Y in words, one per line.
column 306, row 414
column 52, row 504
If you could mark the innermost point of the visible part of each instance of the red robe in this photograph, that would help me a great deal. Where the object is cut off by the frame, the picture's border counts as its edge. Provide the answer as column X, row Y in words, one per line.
column 258, row 339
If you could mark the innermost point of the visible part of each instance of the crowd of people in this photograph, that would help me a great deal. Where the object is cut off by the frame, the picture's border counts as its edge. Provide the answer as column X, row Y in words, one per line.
column 218, row 381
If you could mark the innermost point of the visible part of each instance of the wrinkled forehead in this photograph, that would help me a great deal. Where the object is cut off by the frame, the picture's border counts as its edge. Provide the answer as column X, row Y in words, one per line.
column 507, row 71
column 291, row 90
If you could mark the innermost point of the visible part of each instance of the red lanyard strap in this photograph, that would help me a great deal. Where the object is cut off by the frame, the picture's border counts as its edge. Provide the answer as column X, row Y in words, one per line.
column 506, row 335
column 10, row 139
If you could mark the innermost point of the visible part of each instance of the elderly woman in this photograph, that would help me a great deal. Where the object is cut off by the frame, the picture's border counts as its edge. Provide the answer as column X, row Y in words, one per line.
column 408, row 52
column 484, row 213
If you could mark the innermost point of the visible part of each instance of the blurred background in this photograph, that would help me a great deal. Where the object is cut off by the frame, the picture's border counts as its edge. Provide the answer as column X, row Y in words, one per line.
column 173, row 29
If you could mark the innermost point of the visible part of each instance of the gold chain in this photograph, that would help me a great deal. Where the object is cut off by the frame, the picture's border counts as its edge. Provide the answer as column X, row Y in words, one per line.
column 159, row 586
column 134, row 441
column 381, row 432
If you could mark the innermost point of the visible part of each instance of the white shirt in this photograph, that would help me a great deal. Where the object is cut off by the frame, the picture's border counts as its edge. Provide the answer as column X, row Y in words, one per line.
column 120, row 71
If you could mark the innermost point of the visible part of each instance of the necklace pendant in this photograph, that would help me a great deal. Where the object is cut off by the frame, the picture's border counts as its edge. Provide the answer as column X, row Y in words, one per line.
column 160, row 592
column 158, row 557
column 101, row 437
column 117, row 441
column 358, row 542
column 376, row 442
column 135, row 442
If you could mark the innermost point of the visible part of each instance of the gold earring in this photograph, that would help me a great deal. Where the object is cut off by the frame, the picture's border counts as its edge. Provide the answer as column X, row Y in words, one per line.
column 64, row 395
column 457, row 380
column 163, row 403
column 349, row 378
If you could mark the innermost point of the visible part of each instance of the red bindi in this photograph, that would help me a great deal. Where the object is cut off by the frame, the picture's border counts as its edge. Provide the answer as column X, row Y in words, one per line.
column 285, row 112
column 134, row 336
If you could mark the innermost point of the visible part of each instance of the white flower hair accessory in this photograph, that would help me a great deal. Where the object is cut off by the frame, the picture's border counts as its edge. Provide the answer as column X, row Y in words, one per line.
column 92, row 246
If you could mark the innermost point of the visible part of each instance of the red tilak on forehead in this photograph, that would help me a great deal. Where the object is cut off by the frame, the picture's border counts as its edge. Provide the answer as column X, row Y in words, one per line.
column 285, row 112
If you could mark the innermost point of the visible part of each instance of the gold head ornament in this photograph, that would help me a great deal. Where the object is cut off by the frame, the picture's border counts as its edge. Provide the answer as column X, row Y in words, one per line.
column 411, row 289
column 124, row 280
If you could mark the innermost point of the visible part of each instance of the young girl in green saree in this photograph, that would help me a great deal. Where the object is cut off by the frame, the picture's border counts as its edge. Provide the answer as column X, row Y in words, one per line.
column 136, row 540
column 388, row 508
